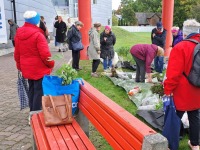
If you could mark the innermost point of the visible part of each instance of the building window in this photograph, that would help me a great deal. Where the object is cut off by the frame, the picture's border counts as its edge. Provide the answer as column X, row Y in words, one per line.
column 94, row 1
column 109, row 21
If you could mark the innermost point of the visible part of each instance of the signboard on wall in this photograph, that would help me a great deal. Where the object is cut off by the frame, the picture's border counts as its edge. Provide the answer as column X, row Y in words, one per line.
column 3, row 33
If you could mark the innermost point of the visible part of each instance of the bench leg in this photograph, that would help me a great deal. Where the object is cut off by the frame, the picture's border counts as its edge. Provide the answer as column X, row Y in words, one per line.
column 155, row 142
column 83, row 122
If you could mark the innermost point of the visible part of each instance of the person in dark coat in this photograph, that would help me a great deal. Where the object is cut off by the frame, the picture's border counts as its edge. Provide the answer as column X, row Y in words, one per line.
column 107, row 41
column 158, row 37
column 42, row 26
column 143, row 54
column 177, row 35
column 74, row 35
column 13, row 29
column 61, row 29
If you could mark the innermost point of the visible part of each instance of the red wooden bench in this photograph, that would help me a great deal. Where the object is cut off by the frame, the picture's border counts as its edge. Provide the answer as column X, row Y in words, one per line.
column 120, row 128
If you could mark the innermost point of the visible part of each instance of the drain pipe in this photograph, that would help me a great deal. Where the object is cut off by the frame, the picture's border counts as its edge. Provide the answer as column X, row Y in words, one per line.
column 14, row 10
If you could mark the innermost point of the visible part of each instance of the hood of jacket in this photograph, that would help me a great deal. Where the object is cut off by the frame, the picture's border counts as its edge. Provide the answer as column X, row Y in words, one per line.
column 104, row 34
column 91, row 31
column 195, row 36
column 12, row 22
column 27, row 30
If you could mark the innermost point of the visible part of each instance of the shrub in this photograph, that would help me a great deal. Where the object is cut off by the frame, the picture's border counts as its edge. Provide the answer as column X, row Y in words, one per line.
column 67, row 73
column 124, row 52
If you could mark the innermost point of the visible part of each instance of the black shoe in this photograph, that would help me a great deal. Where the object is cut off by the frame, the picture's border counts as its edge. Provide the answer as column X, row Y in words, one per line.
column 78, row 69
column 59, row 50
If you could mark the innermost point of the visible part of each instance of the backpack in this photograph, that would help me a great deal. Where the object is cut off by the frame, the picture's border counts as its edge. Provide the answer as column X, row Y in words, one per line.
column 194, row 75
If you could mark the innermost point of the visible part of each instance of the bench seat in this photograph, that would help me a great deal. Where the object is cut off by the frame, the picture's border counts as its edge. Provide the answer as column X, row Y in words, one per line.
column 61, row 137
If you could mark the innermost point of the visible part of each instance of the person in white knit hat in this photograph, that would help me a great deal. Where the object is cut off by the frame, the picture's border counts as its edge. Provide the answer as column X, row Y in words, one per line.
column 32, row 57
column 186, row 96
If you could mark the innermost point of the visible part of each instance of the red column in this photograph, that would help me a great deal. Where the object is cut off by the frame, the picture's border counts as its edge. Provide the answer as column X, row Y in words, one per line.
column 84, row 15
column 167, row 20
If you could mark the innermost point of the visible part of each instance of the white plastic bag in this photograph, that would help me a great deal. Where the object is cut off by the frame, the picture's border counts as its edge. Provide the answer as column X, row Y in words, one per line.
column 185, row 120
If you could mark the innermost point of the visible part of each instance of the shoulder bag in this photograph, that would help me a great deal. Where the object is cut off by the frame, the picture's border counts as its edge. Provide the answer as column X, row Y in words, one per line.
column 57, row 110
column 77, row 46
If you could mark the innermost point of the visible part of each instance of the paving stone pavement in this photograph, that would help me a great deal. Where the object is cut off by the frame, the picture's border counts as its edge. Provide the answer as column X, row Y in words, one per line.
column 15, row 133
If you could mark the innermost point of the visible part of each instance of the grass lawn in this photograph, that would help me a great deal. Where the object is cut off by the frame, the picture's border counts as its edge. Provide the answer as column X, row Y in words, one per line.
column 117, row 94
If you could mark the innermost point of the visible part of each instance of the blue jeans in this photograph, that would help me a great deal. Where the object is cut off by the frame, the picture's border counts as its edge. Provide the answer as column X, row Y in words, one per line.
column 56, row 43
column 158, row 63
column 107, row 63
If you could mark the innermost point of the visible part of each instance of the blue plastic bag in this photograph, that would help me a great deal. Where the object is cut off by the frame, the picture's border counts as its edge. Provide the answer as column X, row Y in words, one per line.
column 172, row 123
column 52, row 85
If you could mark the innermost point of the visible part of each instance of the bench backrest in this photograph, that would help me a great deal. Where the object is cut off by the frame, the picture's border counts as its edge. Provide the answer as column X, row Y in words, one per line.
column 120, row 128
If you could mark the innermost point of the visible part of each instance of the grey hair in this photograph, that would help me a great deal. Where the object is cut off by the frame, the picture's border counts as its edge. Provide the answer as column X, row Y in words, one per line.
column 79, row 23
column 190, row 26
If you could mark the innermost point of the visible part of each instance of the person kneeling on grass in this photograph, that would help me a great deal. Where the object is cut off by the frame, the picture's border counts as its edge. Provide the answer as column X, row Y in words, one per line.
column 143, row 54
column 94, row 48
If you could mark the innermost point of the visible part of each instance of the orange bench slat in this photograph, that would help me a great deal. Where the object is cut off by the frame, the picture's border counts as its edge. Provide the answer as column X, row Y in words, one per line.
column 59, row 139
column 98, row 126
column 133, row 124
column 49, row 134
column 69, row 142
column 115, row 129
column 83, row 136
column 38, row 133
column 75, row 137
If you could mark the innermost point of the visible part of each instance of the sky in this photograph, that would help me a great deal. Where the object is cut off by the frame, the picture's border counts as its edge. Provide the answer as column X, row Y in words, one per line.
column 115, row 4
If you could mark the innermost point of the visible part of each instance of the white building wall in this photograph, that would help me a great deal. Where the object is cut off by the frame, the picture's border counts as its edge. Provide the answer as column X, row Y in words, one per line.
column 43, row 7
column 102, row 12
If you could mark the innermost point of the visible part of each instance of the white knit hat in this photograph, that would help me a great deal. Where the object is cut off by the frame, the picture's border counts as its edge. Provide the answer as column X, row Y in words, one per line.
column 32, row 17
column 190, row 26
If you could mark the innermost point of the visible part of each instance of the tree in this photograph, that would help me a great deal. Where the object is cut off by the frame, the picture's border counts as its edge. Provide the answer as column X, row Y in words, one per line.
column 183, row 10
column 128, row 13
column 147, row 6
column 114, row 20
column 194, row 13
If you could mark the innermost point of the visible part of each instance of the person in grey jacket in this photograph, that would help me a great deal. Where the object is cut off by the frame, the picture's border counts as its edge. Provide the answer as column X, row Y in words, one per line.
column 13, row 29
column 94, row 48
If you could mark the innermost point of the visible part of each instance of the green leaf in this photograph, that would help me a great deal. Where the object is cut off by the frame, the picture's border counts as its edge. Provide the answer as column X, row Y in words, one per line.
column 67, row 73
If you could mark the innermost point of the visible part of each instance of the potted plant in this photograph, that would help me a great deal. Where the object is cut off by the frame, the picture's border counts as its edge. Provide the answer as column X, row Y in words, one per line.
column 67, row 73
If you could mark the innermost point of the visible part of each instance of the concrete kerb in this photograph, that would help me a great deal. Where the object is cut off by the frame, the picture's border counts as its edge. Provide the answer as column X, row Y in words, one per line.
column 155, row 142
column 6, row 51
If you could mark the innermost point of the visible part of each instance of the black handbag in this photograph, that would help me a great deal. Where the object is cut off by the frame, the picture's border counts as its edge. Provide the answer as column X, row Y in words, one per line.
column 77, row 46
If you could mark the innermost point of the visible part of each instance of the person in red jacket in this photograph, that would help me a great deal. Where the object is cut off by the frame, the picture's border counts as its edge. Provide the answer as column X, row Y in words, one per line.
column 32, row 57
column 186, row 96
column 143, row 54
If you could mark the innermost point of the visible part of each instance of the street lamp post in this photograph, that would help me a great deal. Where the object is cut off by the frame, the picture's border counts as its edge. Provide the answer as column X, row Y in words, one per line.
column 14, row 10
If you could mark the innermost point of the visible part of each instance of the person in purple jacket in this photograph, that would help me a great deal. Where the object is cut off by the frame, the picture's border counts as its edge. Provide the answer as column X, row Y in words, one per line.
column 143, row 54
column 177, row 35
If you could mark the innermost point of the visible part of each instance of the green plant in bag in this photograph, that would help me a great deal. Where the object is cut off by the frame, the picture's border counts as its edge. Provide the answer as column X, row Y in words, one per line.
column 157, row 88
column 67, row 73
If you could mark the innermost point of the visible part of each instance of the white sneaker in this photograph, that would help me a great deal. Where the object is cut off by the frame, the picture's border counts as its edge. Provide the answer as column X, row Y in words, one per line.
column 94, row 75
